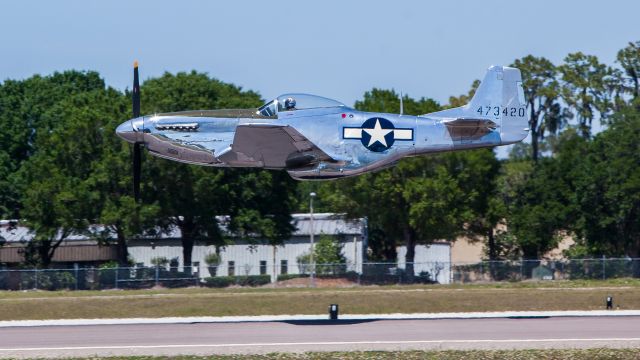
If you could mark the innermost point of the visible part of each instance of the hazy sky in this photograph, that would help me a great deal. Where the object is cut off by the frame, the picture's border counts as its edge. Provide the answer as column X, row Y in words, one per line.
column 338, row 49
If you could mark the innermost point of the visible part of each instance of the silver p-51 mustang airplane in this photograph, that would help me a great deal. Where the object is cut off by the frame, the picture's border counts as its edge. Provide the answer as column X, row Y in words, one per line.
column 313, row 137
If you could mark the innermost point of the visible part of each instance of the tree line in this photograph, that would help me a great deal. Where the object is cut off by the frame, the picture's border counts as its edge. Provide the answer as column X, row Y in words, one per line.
column 63, row 170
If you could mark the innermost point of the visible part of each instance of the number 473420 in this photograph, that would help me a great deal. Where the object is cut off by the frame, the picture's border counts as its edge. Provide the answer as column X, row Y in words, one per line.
column 497, row 110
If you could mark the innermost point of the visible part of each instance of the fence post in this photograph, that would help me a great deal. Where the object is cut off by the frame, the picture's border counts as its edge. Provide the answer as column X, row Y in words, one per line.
column 75, row 266
column 157, row 275
column 604, row 276
column 116, row 277
column 36, row 279
column 521, row 269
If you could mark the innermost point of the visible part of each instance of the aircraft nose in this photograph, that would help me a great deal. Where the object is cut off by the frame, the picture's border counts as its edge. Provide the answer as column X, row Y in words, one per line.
column 131, row 130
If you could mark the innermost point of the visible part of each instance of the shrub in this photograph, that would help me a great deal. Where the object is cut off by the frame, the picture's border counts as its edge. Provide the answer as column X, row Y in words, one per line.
column 253, row 280
column 218, row 281
column 160, row 261
column 63, row 280
column 48, row 280
column 212, row 259
column 285, row 277
column 224, row 281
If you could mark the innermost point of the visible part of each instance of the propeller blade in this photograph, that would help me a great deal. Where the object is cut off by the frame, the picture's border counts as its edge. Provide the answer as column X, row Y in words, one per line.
column 136, row 91
column 137, row 157
column 137, row 151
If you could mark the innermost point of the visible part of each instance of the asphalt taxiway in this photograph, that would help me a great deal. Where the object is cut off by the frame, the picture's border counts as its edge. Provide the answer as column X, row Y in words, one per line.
column 319, row 335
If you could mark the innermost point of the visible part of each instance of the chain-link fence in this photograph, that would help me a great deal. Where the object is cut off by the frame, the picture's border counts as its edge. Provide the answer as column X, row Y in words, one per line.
column 594, row 269
column 283, row 274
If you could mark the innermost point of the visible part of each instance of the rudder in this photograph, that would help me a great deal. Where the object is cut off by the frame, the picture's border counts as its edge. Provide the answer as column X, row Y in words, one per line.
column 499, row 98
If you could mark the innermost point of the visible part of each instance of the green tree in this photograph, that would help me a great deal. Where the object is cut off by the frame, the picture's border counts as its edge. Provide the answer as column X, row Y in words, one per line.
column 608, row 189
column 543, row 94
column 56, row 199
column 24, row 105
column 538, row 198
column 629, row 60
column 585, row 88
column 327, row 254
column 379, row 100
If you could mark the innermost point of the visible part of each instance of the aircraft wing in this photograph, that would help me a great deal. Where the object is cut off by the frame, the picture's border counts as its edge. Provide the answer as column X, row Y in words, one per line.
column 273, row 146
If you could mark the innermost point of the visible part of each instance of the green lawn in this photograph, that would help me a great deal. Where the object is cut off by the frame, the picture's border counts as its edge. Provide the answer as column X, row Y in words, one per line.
column 525, row 296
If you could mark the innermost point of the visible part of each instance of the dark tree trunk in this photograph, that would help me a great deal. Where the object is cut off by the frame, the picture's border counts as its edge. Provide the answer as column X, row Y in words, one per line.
column 533, row 127
column 187, row 229
column 530, row 258
column 46, row 250
column 43, row 253
column 493, row 253
column 410, row 243
column 122, row 253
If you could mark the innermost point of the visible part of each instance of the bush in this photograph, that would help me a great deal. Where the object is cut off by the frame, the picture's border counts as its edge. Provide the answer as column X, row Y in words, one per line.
column 224, row 281
column 48, row 280
column 63, row 280
column 349, row 275
column 160, row 261
column 285, row 277
column 253, row 280
column 106, row 277
column 218, row 281
column 212, row 259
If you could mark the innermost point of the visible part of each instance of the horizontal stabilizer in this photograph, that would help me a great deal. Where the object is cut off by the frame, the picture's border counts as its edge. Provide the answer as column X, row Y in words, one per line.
column 471, row 122
column 466, row 129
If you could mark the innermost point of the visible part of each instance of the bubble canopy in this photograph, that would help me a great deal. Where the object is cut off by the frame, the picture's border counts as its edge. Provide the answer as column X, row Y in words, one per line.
column 302, row 101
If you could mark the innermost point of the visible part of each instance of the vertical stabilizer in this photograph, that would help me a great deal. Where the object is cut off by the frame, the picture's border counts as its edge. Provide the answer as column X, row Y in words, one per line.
column 499, row 98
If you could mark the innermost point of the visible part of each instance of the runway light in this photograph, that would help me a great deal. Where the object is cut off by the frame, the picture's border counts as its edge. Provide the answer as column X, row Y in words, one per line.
column 609, row 302
column 333, row 312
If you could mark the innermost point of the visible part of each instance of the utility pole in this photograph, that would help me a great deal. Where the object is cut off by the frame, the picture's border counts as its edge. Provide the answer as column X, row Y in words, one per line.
column 311, row 259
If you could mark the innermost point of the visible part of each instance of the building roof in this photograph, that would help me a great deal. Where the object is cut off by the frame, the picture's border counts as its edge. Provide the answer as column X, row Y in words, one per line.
column 328, row 224
column 324, row 223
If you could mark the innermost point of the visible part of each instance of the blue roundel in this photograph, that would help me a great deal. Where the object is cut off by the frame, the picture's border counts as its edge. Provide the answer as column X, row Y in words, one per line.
column 377, row 134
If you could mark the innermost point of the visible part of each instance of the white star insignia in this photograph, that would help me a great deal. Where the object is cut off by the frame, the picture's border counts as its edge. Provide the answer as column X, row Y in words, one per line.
column 377, row 134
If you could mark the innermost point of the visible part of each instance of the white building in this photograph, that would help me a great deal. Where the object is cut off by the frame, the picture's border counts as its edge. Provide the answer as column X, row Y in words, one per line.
column 240, row 258
column 434, row 259
column 255, row 257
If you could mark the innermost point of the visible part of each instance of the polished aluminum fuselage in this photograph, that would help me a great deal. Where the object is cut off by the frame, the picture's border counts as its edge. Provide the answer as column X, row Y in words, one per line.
column 206, row 138
column 323, row 139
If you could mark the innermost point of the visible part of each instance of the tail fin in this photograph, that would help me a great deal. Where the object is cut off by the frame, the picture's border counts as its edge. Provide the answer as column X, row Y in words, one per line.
column 499, row 99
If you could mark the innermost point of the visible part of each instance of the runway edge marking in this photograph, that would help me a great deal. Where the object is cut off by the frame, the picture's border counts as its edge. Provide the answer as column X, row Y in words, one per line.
column 326, row 343
column 276, row 318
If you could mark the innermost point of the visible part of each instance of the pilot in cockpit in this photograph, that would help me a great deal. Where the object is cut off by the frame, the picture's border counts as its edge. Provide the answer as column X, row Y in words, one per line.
column 290, row 104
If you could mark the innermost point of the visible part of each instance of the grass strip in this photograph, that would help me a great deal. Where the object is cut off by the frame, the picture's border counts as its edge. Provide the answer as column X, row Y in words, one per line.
column 563, row 354
column 203, row 302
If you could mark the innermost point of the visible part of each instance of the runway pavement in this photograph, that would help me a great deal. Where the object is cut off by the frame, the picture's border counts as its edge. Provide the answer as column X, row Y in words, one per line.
column 319, row 335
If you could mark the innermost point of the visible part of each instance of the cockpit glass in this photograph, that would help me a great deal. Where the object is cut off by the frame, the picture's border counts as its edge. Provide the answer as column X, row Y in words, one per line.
column 292, row 102
column 268, row 109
